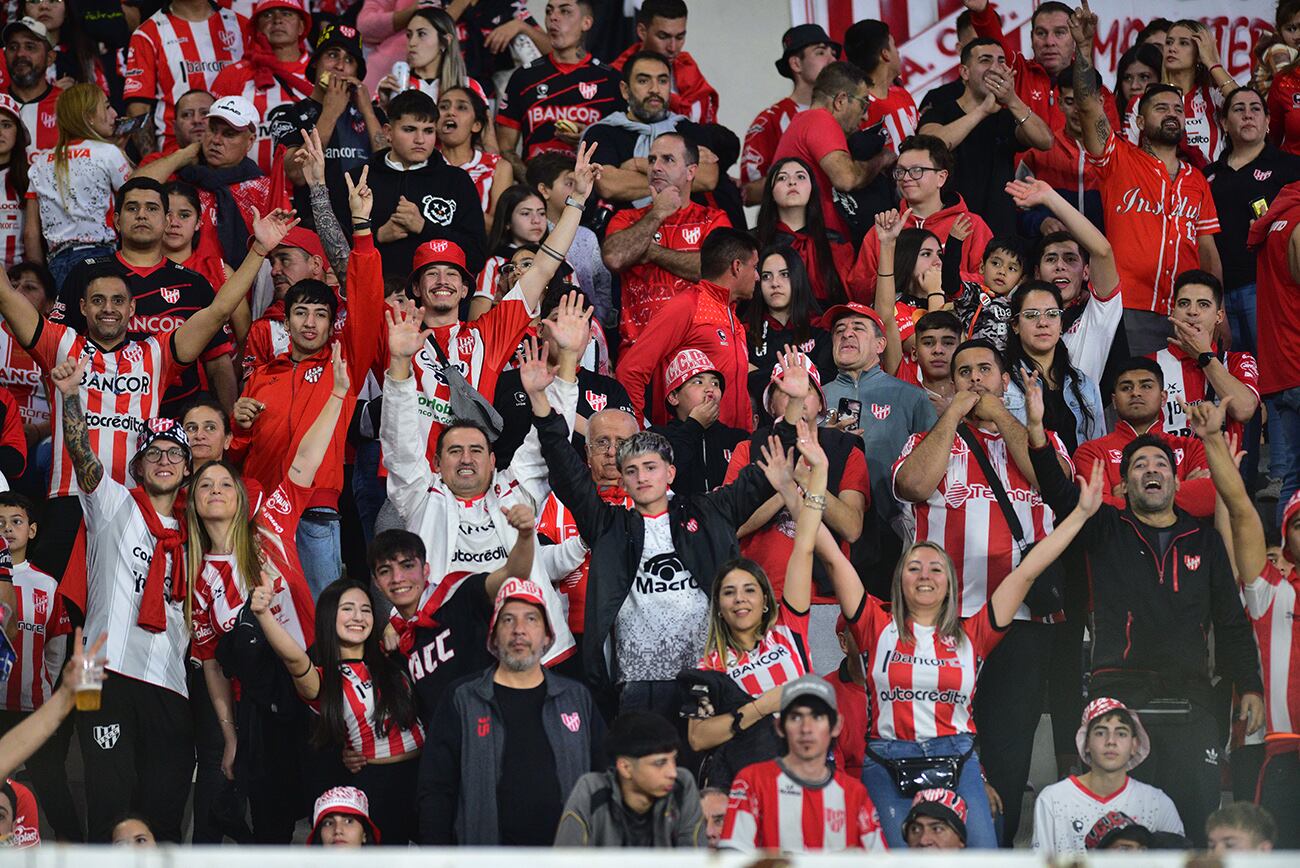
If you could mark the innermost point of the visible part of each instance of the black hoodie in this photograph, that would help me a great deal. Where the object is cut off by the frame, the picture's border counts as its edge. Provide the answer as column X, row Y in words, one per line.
column 447, row 199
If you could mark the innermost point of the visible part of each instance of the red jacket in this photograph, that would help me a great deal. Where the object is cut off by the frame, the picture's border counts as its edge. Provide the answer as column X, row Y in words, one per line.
column 1196, row 496
column 862, row 280
column 1278, row 292
column 295, row 392
column 691, row 95
column 701, row 317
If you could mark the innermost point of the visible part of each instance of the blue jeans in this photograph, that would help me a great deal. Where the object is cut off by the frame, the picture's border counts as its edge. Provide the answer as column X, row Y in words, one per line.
column 319, row 549
column 893, row 807
column 367, row 487
column 1284, row 442
column 62, row 263
column 1239, row 310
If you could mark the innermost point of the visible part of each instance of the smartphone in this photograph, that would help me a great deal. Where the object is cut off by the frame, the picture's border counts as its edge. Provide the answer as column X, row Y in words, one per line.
column 125, row 126
column 1258, row 207
column 849, row 410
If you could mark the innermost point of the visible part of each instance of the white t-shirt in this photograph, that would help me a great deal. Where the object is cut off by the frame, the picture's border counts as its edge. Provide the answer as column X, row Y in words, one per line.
column 661, row 628
column 1066, row 811
column 95, row 172
column 479, row 548
column 1089, row 338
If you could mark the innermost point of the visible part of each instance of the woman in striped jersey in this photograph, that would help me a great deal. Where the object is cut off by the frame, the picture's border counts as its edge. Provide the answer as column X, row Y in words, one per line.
column 232, row 542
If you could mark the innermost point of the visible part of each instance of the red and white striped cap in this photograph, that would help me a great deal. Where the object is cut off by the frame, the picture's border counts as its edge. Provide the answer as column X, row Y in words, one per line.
column 342, row 800
column 778, row 371
column 11, row 105
column 1292, row 507
column 939, row 804
column 526, row 591
column 1105, row 705
column 686, row 364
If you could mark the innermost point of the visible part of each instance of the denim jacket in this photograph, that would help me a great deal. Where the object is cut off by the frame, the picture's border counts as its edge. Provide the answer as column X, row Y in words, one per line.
column 1083, row 429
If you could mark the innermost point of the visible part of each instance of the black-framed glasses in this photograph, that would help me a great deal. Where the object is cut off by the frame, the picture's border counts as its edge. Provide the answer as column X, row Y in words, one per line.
column 1034, row 313
column 913, row 172
column 154, row 455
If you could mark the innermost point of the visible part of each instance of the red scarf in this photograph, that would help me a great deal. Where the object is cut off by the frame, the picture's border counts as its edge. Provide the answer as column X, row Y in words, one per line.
column 153, row 614
column 266, row 67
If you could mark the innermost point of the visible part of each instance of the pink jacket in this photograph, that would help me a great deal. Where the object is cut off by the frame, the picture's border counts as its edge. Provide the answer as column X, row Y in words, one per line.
column 383, row 45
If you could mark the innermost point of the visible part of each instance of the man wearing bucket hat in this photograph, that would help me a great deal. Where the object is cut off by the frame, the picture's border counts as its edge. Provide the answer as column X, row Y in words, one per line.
column 1116, row 830
column 785, row 803
column 1111, row 742
column 341, row 818
column 702, row 445
column 805, row 52
column 936, row 821
column 541, row 728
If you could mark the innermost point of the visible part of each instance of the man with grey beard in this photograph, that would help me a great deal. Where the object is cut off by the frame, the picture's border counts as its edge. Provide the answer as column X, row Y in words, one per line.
column 517, row 716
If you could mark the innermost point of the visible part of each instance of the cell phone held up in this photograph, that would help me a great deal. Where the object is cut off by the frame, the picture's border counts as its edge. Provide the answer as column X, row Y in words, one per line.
column 850, row 412
column 129, row 125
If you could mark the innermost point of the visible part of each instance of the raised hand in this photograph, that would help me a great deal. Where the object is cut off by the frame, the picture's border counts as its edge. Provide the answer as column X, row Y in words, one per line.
column 776, row 465
column 809, row 446
column 706, row 412
column 76, row 660
column 585, row 172
column 534, row 372
column 521, row 517
column 405, row 335
column 259, row 601
column 342, row 379
column 1206, row 417
column 932, row 282
column 1091, row 494
column 889, row 224
column 270, row 230
column 66, row 375
column 1083, row 27
column 1030, row 192
column 360, row 197
column 571, row 327
column 964, row 403
column 1034, row 407
column 961, row 227
column 795, row 381
column 1002, row 85
column 311, row 157
column 1206, row 49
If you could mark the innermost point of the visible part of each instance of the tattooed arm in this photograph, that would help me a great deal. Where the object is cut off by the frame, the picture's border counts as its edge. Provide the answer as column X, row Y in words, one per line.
column 311, row 157
column 1087, row 95
column 66, row 377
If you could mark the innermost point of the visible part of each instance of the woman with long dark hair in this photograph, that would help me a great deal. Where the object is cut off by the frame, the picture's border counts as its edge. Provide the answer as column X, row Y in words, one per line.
column 13, row 180
column 1073, row 399
column 790, row 213
column 782, row 312
column 520, row 219
column 1137, row 68
column 462, row 124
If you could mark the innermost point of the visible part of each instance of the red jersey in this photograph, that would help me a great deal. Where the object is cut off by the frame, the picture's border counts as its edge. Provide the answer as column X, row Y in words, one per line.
column 762, row 138
column 1271, row 606
column 1203, row 137
column 647, row 287
column 1152, row 221
column 250, row 194
column 770, row 809
column 169, row 56
column 295, row 391
column 963, row 516
column 482, row 170
column 1064, row 167
column 851, row 701
column 24, row 379
column 923, row 687
column 702, row 318
column 1277, row 291
column 1195, row 496
column 780, row 656
column 40, row 120
column 373, row 739
column 119, row 391
column 811, row 135
column 1183, row 379
column 237, row 80
column 771, row 545
column 11, row 222
column 556, row 523
column 219, row 590
column 1284, row 110
column 862, row 280
column 897, row 110
column 41, row 617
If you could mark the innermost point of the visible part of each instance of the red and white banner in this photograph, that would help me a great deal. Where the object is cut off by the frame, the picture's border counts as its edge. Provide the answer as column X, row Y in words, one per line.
column 926, row 33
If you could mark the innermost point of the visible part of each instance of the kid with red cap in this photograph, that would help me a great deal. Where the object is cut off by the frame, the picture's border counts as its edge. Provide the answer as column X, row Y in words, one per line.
column 702, row 444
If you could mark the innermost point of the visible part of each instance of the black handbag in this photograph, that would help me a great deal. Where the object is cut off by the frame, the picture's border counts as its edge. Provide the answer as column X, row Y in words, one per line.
column 913, row 774
column 1047, row 594
column 468, row 403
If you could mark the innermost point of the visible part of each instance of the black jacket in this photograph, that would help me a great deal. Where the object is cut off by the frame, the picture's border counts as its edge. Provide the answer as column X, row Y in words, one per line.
column 703, row 529
column 1151, row 617
column 701, row 455
column 447, row 199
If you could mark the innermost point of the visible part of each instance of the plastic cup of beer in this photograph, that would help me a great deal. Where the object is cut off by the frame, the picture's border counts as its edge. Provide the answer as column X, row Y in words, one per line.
column 90, row 685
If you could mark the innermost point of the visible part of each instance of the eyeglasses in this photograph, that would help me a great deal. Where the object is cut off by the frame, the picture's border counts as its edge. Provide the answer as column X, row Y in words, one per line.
column 914, row 172
column 154, row 455
column 861, row 100
column 1033, row 313
column 605, row 444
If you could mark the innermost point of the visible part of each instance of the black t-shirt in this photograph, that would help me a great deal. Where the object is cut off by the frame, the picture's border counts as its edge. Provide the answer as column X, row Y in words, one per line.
column 545, row 91
column 595, row 393
column 476, row 22
column 347, row 149
column 1233, row 191
column 529, row 801
column 165, row 297
column 455, row 646
column 985, row 162
column 1058, row 417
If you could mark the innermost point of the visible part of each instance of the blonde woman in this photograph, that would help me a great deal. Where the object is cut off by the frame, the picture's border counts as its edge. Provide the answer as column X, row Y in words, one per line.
column 73, row 183
column 432, row 52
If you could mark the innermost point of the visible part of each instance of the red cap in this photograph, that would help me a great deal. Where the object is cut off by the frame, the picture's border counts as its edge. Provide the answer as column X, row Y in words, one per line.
column 296, row 5
column 687, row 364
column 851, row 308
column 524, row 590
column 10, row 105
column 440, row 251
column 307, row 241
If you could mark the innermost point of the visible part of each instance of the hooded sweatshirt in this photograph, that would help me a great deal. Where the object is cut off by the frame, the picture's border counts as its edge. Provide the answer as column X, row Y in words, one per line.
column 862, row 280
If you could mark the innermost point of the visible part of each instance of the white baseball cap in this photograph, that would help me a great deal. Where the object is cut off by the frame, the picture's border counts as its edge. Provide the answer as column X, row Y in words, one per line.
column 32, row 26
column 236, row 111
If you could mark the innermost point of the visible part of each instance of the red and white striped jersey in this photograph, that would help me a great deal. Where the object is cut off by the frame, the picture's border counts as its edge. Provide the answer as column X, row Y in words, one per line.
column 41, row 617
column 1183, row 379
column 963, row 516
column 762, row 137
column 24, row 379
column 119, row 551
column 237, row 80
column 780, row 656
column 119, row 391
column 925, row 687
column 1203, row 138
column 41, row 122
column 219, row 590
column 769, row 808
column 1271, row 604
column 556, row 523
column 372, row 740
column 897, row 110
column 11, row 222
column 485, row 285
column 169, row 56
column 482, row 167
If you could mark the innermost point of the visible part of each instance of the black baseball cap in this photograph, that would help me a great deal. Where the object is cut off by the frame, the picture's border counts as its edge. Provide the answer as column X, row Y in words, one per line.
column 343, row 36
column 799, row 37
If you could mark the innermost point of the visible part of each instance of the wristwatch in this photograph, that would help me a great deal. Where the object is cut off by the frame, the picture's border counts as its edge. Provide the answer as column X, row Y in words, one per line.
column 1204, row 359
